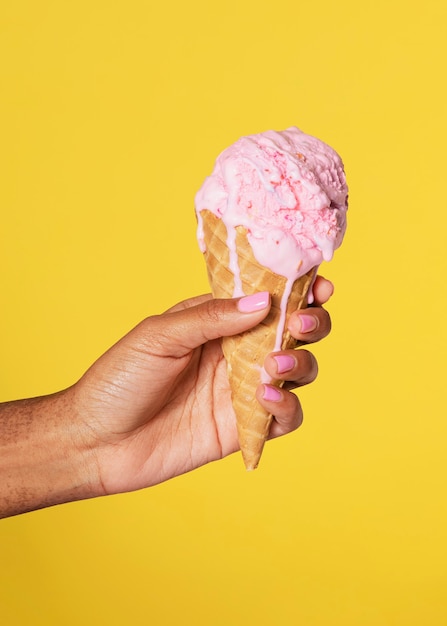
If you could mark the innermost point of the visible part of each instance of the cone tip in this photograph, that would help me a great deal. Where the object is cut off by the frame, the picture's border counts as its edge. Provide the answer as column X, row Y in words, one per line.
column 250, row 463
column 250, row 456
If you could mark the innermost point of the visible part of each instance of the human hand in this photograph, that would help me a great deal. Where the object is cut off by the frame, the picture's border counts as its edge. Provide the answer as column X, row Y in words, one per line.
column 158, row 404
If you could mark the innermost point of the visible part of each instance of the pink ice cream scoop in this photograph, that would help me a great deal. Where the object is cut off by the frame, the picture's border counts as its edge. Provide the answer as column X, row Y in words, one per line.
column 289, row 191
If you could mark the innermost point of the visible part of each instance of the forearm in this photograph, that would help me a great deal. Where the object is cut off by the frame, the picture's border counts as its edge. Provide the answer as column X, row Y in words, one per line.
column 45, row 458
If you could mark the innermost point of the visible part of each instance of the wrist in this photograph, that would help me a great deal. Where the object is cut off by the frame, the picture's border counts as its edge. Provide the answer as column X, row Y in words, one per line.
column 46, row 457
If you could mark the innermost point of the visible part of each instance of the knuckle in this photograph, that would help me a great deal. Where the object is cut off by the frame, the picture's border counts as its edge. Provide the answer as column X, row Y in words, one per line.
column 153, row 336
column 296, row 412
column 210, row 312
column 299, row 418
column 326, row 323
column 308, row 365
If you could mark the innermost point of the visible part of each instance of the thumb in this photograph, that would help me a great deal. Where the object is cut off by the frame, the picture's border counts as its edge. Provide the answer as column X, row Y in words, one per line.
column 177, row 333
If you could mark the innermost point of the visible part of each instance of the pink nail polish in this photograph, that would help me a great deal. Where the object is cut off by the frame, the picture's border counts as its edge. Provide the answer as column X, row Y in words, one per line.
column 255, row 302
column 308, row 323
column 272, row 394
column 284, row 363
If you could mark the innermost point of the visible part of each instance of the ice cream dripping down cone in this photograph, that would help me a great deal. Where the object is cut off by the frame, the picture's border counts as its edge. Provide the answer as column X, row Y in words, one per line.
column 245, row 353
column 272, row 210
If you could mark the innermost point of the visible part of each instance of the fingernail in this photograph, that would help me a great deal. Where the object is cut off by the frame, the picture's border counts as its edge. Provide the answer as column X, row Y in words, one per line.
column 272, row 394
column 255, row 302
column 308, row 323
column 284, row 363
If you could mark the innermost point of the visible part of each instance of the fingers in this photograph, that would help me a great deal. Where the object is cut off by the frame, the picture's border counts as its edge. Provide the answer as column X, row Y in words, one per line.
column 192, row 322
column 284, row 406
column 176, row 333
column 314, row 323
column 309, row 325
column 298, row 367
column 322, row 290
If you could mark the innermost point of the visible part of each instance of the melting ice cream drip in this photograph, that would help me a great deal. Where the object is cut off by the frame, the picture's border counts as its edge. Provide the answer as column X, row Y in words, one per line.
column 234, row 261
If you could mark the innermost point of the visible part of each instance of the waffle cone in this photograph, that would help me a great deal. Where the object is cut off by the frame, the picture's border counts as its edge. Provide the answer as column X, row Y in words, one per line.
column 245, row 353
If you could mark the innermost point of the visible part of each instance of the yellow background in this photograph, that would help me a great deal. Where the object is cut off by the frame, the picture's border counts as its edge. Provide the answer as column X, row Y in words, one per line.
column 111, row 115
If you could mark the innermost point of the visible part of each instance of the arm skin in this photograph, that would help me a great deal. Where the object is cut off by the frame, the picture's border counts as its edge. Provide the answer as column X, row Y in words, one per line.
column 156, row 405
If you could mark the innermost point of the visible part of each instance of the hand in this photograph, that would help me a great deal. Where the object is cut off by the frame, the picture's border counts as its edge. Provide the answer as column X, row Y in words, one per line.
column 158, row 404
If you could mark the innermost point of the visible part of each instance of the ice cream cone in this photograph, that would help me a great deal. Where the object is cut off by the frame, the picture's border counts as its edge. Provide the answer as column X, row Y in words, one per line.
column 271, row 211
column 245, row 353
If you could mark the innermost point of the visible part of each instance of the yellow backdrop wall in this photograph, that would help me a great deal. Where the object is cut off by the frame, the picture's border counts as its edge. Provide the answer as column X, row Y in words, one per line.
column 111, row 115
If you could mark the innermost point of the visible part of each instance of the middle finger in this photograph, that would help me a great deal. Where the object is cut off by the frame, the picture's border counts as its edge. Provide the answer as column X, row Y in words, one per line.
column 309, row 325
column 298, row 367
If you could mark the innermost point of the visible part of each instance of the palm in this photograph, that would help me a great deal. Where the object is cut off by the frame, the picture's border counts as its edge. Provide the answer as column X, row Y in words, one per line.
column 155, row 436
